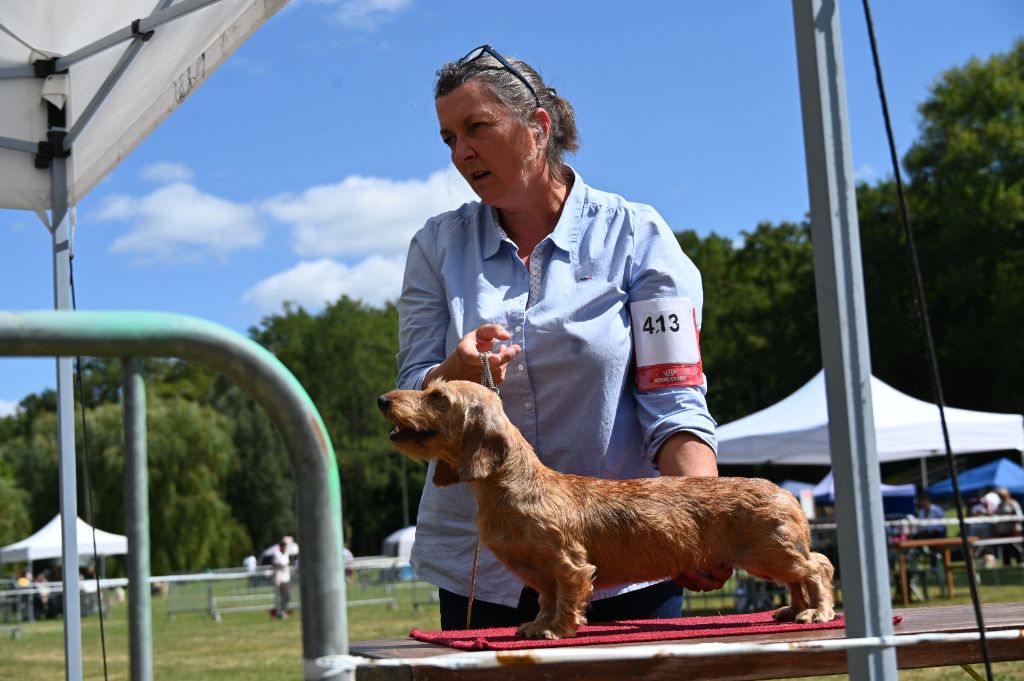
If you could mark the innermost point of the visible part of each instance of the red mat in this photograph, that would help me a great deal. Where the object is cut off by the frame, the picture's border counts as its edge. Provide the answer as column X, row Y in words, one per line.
column 626, row 631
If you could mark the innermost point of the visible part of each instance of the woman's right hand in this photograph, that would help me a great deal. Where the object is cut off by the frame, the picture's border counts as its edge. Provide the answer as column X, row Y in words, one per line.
column 464, row 361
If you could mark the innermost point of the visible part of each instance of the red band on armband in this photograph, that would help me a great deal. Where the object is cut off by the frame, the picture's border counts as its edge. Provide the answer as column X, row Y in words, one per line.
column 669, row 375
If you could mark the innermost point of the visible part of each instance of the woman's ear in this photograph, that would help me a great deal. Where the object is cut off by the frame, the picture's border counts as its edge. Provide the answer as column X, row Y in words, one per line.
column 542, row 119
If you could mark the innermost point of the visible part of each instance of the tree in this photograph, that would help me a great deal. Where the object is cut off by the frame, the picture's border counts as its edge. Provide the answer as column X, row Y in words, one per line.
column 14, row 520
column 260, row 489
column 190, row 458
column 966, row 194
column 345, row 358
column 759, row 337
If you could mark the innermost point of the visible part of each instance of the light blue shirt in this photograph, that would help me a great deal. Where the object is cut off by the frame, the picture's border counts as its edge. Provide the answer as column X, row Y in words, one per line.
column 571, row 390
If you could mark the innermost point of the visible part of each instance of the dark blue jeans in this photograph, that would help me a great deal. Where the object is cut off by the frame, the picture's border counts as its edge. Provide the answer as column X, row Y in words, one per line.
column 658, row 601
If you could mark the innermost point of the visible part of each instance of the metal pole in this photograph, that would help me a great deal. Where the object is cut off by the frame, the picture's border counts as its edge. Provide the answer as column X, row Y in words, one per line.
column 843, row 326
column 260, row 374
column 136, row 522
column 66, row 428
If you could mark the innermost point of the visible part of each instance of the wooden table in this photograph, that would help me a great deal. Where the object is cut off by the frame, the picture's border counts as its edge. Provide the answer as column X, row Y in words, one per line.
column 955, row 618
column 945, row 544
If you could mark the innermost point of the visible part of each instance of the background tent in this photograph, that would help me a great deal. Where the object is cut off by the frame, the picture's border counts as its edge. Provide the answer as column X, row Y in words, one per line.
column 399, row 544
column 796, row 486
column 795, row 430
column 46, row 544
column 999, row 473
column 895, row 498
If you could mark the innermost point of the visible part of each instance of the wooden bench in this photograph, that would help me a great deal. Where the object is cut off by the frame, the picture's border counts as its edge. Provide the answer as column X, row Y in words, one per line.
column 768, row 665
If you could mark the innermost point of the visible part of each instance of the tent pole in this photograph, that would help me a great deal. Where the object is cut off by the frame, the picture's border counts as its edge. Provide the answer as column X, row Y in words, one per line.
column 136, row 522
column 66, row 427
column 924, row 473
column 842, row 319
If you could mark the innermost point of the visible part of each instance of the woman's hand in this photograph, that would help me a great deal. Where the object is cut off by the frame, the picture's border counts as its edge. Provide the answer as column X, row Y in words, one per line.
column 704, row 578
column 464, row 362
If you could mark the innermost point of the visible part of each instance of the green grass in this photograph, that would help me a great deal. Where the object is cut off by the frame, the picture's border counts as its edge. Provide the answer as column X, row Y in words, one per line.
column 254, row 647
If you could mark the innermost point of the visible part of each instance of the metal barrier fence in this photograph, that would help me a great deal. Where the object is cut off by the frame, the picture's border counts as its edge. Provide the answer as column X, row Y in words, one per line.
column 371, row 581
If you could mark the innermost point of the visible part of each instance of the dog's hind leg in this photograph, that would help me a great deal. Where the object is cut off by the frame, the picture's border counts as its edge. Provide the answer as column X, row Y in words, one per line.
column 811, row 593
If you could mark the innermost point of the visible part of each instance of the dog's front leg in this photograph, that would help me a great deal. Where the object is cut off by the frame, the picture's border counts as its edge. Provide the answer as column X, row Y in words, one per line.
column 563, row 608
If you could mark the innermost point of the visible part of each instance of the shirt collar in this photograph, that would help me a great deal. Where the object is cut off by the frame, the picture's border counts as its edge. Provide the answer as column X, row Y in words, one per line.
column 567, row 230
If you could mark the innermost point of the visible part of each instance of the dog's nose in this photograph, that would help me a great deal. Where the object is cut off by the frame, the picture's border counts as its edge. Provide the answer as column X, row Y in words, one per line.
column 384, row 403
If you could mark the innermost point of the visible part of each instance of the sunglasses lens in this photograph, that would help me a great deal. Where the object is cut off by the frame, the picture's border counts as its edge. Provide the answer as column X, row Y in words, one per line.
column 475, row 54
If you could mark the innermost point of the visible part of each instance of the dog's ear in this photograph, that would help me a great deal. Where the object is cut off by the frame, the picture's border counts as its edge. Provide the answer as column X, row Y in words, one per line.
column 444, row 474
column 483, row 444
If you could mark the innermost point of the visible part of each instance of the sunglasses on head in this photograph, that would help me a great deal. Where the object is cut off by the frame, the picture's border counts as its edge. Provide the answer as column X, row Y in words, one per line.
column 487, row 49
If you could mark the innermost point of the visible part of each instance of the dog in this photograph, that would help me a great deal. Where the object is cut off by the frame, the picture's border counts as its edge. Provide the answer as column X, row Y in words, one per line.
column 565, row 534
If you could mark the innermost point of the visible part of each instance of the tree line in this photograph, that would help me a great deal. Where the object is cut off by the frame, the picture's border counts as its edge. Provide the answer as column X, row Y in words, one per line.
column 220, row 479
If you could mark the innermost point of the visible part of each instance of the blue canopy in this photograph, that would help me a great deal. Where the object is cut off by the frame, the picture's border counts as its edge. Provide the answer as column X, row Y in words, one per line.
column 999, row 473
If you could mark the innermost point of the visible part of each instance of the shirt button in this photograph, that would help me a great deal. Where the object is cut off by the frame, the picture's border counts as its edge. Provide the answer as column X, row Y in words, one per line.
column 528, row 405
column 520, row 366
column 519, row 328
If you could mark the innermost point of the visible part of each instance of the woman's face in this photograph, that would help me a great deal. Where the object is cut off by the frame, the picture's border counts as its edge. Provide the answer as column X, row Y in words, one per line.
column 498, row 157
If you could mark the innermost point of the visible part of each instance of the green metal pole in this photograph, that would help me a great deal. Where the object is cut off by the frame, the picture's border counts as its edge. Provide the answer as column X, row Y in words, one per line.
column 136, row 522
column 258, row 372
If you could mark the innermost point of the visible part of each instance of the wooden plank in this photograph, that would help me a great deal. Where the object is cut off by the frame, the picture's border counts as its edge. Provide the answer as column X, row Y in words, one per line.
column 946, row 619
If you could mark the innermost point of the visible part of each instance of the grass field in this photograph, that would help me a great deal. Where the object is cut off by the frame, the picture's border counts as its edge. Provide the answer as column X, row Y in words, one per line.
column 251, row 646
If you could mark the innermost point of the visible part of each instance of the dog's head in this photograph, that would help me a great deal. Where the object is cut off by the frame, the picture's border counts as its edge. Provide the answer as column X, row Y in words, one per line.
column 458, row 423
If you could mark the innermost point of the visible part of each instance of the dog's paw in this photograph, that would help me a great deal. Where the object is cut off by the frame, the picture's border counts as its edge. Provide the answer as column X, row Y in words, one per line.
column 536, row 630
column 810, row 615
column 785, row 614
column 544, row 630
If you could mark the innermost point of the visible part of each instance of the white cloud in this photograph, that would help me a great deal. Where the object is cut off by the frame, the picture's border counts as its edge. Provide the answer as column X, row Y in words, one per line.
column 363, row 215
column 179, row 222
column 368, row 14
column 865, row 173
column 167, row 172
column 7, row 408
column 312, row 283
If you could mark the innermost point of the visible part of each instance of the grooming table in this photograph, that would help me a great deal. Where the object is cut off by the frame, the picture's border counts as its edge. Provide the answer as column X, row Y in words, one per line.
column 768, row 665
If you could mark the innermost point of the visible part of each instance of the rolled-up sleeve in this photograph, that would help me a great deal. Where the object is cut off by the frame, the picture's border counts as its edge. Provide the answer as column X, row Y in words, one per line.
column 660, row 269
column 422, row 312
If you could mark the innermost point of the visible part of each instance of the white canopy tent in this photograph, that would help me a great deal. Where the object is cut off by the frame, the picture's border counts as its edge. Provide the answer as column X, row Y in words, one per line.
column 399, row 543
column 795, row 430
column 46, row 544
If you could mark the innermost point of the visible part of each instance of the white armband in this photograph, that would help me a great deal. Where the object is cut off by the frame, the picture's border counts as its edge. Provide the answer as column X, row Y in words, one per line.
column 667, row 343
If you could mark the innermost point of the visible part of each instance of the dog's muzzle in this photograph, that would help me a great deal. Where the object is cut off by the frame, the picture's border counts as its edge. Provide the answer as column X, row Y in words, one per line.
column 400, row 433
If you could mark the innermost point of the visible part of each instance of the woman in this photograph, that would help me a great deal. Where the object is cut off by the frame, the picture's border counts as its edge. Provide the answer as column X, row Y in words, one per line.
column 554, row 287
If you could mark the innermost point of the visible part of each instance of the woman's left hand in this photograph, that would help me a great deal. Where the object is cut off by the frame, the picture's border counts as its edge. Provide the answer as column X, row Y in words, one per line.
column 704, row 578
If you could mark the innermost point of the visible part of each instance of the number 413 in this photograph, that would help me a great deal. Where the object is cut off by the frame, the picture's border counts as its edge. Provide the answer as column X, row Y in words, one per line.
column 657, row 324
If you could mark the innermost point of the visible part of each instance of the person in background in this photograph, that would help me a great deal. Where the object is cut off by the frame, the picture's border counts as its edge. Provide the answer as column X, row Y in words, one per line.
column 1007, row 506
column 249, row 563
column 580, row 304
column 928, row 511
column 348, row 558
column 991, row 500
column 282, row 579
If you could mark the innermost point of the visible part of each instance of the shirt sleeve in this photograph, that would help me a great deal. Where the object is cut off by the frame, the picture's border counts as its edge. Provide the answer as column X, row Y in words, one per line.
column 660, row 269
column 423, row 315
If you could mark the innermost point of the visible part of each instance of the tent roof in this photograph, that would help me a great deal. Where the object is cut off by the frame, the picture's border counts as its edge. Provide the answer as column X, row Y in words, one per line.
column 825, row 491
column 399, row 543
column 46, row 543
column 998, row 473
column 105, row 119
column 795, row 430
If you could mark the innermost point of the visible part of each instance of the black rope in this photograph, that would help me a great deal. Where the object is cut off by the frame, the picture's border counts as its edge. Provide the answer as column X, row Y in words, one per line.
column 922, row 311
column 86, row 469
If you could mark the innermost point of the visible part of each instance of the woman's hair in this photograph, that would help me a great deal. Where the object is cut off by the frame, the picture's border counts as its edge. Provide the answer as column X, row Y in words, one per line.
column 514, row 94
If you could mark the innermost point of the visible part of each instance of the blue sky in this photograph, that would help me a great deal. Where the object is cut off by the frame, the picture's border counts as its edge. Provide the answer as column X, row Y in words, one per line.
column 300, row 169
